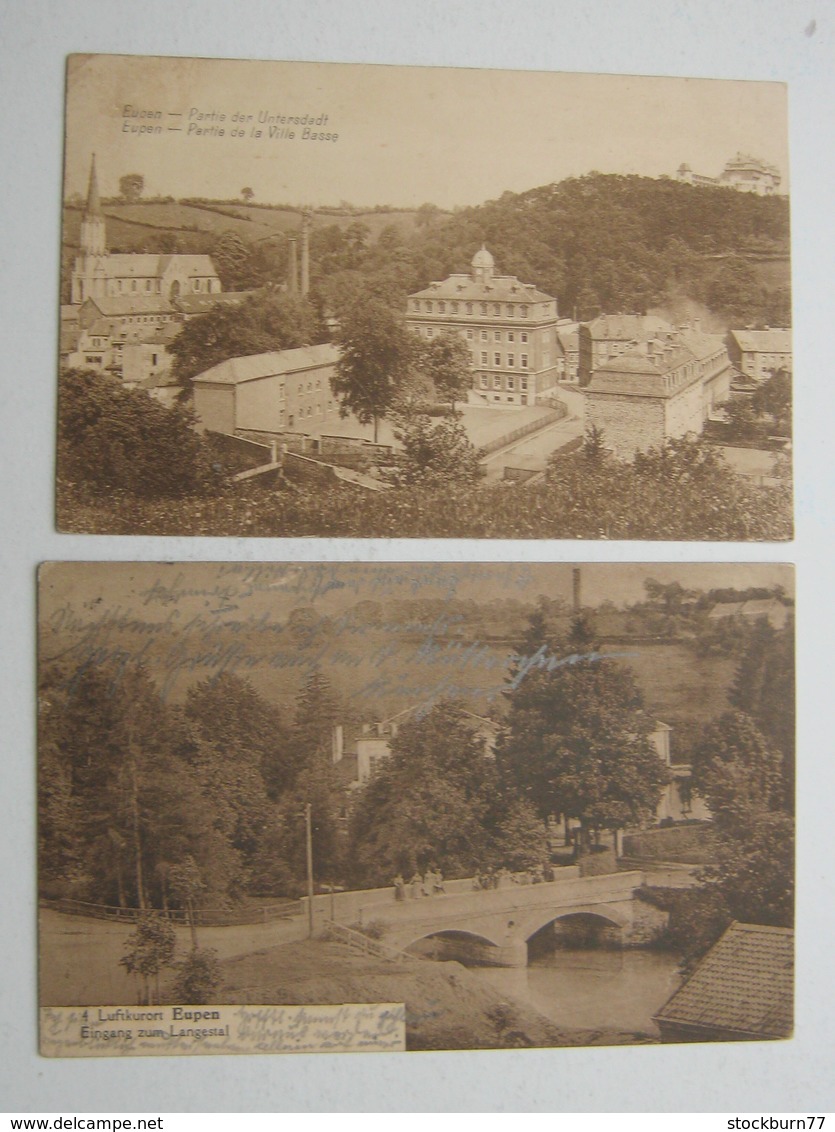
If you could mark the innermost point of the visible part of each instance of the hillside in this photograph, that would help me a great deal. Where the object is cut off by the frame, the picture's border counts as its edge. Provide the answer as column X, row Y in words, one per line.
column 598, row 243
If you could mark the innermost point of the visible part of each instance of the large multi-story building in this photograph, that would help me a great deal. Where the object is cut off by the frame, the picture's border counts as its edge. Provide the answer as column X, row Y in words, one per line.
column 758, row 354
column 509, row 327
column 610, row 335
column 744, row 173
column 661, row 389
column 283, row 391
column 100, row 274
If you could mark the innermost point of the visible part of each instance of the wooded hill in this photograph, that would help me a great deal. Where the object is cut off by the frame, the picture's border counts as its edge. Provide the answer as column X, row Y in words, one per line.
column 602, row 242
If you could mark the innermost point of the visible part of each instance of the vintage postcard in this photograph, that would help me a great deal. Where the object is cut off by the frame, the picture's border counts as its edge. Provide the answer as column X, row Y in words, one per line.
column 335, row 300
column 343, row 807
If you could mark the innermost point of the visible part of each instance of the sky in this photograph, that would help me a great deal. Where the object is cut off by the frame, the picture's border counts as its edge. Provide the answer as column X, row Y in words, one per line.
column 405, row 135
column 150, row 591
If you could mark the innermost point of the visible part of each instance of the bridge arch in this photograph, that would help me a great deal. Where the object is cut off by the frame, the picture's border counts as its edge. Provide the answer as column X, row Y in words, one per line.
column 579, row 927
column 459, row 943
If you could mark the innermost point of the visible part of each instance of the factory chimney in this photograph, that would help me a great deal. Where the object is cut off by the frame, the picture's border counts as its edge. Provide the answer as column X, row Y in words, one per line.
column 575, row 587
column 293, row 268
column 305, row 253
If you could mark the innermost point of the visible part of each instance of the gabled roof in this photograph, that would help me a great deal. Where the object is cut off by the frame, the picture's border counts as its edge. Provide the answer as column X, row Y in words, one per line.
column 119, row 306
column 253, row 367
column 744, row 986
column 776, row 341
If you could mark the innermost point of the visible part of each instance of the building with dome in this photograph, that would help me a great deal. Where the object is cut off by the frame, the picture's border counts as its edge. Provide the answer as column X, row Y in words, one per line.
column 99, row 274
column 509, row 327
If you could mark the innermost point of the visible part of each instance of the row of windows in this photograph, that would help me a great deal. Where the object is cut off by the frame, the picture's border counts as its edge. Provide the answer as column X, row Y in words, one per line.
column 503, row 381
column 484, row 335
column 154, row 286
column 511, row 310
column 300, row 391
column 510, row 362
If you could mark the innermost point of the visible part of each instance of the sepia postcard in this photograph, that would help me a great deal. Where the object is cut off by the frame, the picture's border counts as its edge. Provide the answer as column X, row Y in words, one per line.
column 336, row 300
column 343, row 807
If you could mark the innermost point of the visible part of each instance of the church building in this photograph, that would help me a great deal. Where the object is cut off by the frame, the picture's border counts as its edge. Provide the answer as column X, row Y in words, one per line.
column 99, row 274
column 509, row 327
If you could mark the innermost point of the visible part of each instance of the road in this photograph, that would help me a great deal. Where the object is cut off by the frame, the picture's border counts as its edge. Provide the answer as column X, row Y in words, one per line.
column 532, row 452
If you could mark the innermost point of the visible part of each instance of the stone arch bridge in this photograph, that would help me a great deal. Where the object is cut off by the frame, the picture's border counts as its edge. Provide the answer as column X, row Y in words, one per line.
column 502, row 919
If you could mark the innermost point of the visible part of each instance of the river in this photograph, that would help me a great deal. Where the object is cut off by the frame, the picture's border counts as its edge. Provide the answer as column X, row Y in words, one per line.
column 591, row 988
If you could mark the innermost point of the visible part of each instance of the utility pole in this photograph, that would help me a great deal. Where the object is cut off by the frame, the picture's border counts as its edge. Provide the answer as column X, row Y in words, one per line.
column 308, row 831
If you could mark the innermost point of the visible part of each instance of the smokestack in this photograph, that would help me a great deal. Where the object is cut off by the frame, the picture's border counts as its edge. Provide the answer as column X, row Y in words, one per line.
column 305, row 253
column 575, row 583
column 293, row 269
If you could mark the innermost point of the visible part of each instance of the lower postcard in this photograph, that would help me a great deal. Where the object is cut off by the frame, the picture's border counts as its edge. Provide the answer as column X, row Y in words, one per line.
column 318, row 807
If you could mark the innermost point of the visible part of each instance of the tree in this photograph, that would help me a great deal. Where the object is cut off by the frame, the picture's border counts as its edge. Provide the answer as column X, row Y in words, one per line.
column 764, row 688
column 186, row 886
column 115, row 438
column 577, row 741
column 149, row 948
column 261, row 323
column 736, row 770
column 131, row 186
column 427, row 803
column 446, row 361
column 247, row 194
column 435, row 453
column 377, row 353
column 230, row 255
column 774, row 397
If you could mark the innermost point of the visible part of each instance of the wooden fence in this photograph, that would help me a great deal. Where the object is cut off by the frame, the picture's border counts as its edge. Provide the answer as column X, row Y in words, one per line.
column 203, row 917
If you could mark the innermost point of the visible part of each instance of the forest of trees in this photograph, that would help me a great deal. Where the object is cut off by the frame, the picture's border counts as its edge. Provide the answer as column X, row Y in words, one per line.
column 148, row 805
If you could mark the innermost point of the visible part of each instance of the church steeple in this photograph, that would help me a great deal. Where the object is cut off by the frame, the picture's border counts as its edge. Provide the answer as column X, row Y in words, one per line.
column 92, row 238
column 93, row 202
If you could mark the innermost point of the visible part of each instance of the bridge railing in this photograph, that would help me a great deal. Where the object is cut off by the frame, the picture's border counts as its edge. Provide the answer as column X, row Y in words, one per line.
column 203, row 917
column 358, row 941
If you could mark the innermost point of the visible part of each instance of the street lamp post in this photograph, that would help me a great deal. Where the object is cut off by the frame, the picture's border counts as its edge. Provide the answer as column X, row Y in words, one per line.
column 308, row 831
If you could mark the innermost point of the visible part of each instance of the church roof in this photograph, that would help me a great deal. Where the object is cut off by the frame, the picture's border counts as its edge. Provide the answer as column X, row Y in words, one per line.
column 253, row 367
column 145, row 265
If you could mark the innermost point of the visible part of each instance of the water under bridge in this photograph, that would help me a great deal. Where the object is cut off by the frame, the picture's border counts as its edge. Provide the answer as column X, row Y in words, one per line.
column 502, row 920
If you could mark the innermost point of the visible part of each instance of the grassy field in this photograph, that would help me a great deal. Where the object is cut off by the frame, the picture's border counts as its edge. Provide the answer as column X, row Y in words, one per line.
column 128, row 225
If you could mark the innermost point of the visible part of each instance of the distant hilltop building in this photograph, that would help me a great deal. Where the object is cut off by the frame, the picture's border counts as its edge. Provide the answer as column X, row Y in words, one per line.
column 744, row 173
column 98, row 274
column 509, row 327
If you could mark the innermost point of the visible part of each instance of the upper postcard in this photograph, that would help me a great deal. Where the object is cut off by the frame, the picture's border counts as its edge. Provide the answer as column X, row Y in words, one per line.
column 366, row 301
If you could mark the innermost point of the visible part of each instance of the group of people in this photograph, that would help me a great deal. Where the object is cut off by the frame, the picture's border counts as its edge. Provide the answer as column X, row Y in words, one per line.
column 430, row 884
column 432, row 881
column 493, row 878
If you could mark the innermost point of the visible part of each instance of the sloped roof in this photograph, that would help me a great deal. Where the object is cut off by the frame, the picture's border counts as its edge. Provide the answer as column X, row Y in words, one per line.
column 643, row 370
column 625, row 327
column 744, row 985
column 776, row 341
column 117, row 306
column 144, row 265
column 199, row 304
column 253, row 367
column 497, row 289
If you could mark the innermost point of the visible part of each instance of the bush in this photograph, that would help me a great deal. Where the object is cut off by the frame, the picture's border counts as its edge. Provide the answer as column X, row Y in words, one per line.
column 198, row 977
column 111, row 438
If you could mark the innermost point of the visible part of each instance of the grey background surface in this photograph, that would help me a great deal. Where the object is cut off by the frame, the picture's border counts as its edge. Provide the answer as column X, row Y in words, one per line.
column 786, row 40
